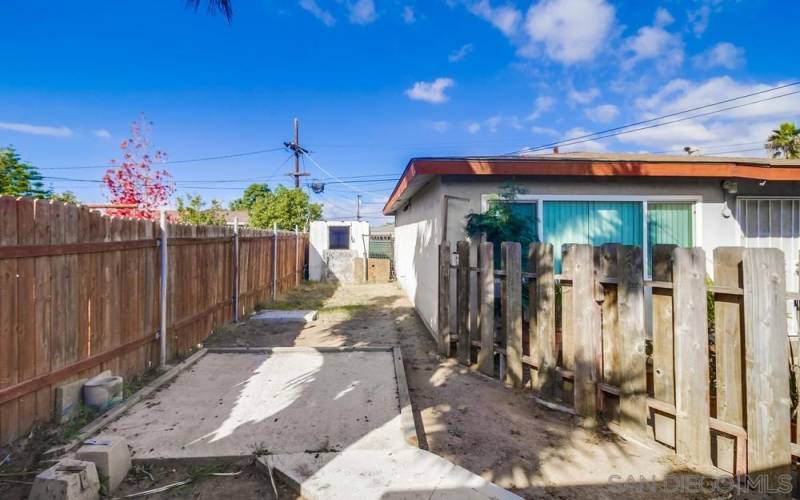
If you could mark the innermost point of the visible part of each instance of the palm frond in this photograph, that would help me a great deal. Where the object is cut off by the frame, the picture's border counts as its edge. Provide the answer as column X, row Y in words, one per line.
column 224, row 7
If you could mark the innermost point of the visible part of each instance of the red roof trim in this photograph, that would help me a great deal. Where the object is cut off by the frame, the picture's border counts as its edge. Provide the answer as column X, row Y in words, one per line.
column 567, row 167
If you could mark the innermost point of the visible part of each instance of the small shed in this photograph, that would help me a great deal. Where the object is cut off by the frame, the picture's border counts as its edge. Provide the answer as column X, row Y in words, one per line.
column 334, row 248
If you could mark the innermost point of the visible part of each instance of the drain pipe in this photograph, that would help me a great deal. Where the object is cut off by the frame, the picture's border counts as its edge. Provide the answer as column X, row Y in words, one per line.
column 164, row 273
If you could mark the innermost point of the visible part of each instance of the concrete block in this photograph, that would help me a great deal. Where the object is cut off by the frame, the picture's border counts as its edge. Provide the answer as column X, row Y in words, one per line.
column 103, row 374
column 111, row 456
column 379, row 270
column 101, row 393
column 67, row 480
column 68, row 400
column 359, row 269
column 288, row 316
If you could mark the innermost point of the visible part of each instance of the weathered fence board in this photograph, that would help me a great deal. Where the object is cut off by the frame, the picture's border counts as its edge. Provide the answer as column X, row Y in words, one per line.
column 543, row 337
column 512, row 305
column 585, row 317
column 462, row 302
column 693, row 435
column 486, row 292
column 767, row 377
column 79, row 293
column 633, row 357
column 728, row 348
column 444, row 299
column 663, row 343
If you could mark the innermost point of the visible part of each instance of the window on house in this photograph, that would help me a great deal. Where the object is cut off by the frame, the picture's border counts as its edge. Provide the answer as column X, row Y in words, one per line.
column 339, row 237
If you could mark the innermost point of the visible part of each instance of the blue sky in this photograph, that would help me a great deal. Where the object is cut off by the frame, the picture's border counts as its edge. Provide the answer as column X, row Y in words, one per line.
column 375, row 82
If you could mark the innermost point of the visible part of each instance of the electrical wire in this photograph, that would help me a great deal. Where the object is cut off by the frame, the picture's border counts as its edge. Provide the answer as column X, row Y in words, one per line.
column 176, row 162
column 620, row 130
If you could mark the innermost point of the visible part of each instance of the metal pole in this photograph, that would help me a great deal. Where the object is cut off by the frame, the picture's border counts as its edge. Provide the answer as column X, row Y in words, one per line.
column 297, row 269
column 236, row 269
column 275, row 261
column 164, row 273
column 297, row 153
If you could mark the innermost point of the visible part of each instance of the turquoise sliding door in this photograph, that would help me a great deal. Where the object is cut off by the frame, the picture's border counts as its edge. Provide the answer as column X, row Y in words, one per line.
column 591, row 222
column 669, row 223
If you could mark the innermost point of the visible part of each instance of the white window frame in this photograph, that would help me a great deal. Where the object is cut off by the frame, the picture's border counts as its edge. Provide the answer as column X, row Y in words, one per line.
column 539, row 199
column 739, row 232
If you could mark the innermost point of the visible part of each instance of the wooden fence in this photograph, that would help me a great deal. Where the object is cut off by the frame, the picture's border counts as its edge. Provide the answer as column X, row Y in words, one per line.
column 591, row 341
column 80, row 293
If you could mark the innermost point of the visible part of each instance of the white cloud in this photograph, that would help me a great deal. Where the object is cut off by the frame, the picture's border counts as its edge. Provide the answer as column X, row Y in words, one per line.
column 588, row 145
column 461, row 53
column 655, row 43
column 505, row 18
column 722, row 55
column 542, row 104
column 746, row 124
column 101, row 133
column 27, row 128
column 698, row 19
column 362, row 12
column 474, row 128
column 570, row 30
column 433, row 92
column 408, row 15
column 494, row 123
column 583, row 97
column 323, row 15
column 604, row 113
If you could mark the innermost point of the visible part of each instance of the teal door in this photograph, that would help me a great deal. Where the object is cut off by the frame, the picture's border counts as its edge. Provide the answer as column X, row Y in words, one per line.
column 669, row 223
column 591, row 222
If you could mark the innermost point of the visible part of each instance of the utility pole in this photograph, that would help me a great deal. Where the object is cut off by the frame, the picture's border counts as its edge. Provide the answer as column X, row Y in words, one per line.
column 298, row 152
column 358, row 208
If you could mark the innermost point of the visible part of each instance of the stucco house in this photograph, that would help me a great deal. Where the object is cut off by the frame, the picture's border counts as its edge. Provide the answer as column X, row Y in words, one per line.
column 639, row 199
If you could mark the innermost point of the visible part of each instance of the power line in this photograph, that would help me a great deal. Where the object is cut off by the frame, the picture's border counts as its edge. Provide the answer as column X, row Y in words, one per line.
column 174, row 162
column 603, row 134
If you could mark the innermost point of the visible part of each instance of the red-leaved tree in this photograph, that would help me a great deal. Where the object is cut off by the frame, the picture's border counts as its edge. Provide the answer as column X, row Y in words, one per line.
column 133, row 180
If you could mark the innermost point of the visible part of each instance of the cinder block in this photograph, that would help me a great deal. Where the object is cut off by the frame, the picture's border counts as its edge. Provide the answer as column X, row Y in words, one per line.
column 67, row 480
column 68, row 400
column 111, row 456
column 103, row 374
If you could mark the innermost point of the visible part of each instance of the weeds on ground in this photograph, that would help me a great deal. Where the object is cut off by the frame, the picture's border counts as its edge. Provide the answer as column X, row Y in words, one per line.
column 309, row 295
column 341, row 312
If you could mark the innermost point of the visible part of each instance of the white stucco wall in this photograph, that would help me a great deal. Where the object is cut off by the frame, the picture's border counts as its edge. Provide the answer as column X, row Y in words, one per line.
column 318, row 245
column 418, row 229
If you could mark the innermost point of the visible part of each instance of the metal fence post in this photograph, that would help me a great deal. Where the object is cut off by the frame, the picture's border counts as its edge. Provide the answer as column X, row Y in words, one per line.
column 236, row 269
column 274, row 261
column 297, row 269
column 164, row 274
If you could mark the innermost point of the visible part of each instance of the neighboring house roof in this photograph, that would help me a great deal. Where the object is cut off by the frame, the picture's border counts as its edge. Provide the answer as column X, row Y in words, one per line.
column 242, row 215
column 421, row 170
column 383, row 228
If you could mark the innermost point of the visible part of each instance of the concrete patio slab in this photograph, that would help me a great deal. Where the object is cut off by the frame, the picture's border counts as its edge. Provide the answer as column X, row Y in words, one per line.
column 408, row 473
column 294, row 400
column 279, row 316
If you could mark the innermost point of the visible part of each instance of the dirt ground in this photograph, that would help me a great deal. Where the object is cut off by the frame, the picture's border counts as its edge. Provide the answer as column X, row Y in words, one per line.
column 477, row 422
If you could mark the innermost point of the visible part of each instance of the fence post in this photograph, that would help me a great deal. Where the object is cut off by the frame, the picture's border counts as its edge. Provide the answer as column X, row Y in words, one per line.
column 236, row 269
column 693, row 435
column 543, row 338
column 297, row 269
column 444, row 299
column 584, row 323
column 512, row 311
column 462, row 303
column 767, row 372
column 486, row 294
column 274, row 261
column 164, row 273
column 633, row 358
column 663, row 344
column 728, row 343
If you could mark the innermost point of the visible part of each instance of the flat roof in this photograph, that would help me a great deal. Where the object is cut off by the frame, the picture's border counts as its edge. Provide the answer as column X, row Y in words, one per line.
column 420, row 171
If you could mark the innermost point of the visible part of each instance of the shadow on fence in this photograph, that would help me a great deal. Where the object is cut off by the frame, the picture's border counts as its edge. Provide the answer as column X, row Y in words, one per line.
column 717, row 394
